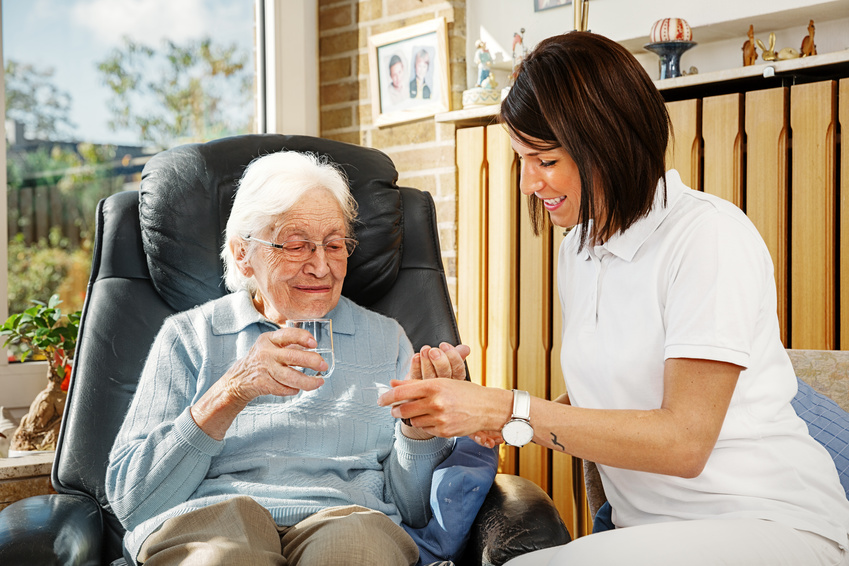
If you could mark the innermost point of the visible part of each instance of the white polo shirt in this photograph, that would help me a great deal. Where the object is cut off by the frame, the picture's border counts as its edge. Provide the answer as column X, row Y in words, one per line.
column 694, row 279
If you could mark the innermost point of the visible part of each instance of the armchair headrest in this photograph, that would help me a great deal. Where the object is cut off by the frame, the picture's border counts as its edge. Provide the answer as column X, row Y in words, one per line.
column 185, row 200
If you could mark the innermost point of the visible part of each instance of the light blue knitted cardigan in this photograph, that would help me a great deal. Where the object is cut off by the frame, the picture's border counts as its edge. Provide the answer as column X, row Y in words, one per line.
column 294, row 455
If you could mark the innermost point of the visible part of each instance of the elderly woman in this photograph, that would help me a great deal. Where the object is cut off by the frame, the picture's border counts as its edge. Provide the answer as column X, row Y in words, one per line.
column 228, row 454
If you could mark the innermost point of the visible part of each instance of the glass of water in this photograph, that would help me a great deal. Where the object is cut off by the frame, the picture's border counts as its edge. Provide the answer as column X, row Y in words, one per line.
column 322, row 331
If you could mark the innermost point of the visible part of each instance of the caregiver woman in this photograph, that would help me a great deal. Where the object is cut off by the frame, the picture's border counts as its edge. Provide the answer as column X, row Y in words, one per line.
column 678, row 385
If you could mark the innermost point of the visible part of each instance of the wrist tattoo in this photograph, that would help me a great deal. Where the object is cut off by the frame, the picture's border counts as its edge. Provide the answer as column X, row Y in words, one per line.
column 557, row 444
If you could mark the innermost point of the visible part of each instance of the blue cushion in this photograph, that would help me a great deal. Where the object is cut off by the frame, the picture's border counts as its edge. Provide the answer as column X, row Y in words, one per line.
column 828, row 424
column 603, row 520
column 460, row 485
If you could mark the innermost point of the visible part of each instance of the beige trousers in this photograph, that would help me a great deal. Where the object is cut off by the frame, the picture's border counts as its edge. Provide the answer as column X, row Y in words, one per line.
column 241, row 532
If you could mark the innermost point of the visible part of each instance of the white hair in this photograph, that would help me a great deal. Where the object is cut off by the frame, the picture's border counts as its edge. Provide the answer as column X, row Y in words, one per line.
column 270, row 187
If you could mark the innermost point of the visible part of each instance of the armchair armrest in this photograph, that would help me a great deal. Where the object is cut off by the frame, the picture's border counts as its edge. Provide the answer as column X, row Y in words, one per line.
column 517, row 517
column 595, row 489
column 51, row 529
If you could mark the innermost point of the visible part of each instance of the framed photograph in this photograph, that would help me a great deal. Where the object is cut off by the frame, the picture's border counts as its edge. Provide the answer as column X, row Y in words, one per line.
column 408, row 72
column 540, row 5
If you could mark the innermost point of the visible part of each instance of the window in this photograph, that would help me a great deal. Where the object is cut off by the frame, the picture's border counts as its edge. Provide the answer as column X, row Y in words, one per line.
column 281, row 37
column 93, row 88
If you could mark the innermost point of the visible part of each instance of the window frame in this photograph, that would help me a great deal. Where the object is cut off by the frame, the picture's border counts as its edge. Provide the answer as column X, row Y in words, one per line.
column 287, row 76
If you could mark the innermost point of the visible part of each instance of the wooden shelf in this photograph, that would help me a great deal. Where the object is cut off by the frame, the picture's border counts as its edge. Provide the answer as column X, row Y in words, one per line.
column 755, row 77
column 481, row 115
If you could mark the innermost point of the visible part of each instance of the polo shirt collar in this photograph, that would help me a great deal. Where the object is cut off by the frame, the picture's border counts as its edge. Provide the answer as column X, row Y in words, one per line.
column 625, row 245
column 343, row 317
column 235, row 312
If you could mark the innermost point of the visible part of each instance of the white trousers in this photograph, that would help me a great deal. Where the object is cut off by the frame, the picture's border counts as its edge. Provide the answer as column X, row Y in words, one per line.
column 732, row 542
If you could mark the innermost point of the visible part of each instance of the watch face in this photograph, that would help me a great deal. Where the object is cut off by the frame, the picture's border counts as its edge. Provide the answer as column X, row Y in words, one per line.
column 517, row 433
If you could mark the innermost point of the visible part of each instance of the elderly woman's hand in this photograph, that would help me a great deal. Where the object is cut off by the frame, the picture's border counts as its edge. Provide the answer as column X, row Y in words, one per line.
column 447, row 362
column 265, row 370
column 268, row 367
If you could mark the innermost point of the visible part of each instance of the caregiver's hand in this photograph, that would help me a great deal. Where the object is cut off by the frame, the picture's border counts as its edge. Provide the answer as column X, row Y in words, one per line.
column 449, row 407
column 447, row 361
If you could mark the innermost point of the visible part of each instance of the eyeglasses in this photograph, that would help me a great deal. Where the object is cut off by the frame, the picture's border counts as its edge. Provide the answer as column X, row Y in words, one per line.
column 302, row 250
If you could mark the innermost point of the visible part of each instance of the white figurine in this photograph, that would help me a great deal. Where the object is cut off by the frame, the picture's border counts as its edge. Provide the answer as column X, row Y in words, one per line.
column 483, row 59
column 519, row 52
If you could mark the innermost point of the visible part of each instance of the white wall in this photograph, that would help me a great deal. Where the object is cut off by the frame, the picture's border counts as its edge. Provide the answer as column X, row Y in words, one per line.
column 719, row 26
column 291, row 67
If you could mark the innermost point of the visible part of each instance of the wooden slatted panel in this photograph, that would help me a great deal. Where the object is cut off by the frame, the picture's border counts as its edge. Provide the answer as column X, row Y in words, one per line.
column 561, row 464
column 565, row 476
column 502, row 272
column 722, row 132
column 471, row 239
column 685, row 143
column 534, row 333
column 813, row 212
column 557, row 387
column 843, row 199
column 767, row 114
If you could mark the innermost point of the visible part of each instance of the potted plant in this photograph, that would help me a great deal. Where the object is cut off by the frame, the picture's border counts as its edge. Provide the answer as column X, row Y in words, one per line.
column 43, row 332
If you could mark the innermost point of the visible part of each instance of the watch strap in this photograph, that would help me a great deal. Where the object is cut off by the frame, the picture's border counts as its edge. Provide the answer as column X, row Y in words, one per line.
column 521, row 405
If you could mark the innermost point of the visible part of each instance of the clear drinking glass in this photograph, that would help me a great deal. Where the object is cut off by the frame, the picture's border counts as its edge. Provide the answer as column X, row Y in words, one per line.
column 322, row 331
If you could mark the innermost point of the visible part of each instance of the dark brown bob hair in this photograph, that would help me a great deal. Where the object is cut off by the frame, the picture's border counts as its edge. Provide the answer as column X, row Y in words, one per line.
column 588, row 95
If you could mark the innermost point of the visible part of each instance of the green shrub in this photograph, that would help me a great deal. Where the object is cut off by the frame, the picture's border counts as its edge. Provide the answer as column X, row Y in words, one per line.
column 42, row 330
column 51, row 266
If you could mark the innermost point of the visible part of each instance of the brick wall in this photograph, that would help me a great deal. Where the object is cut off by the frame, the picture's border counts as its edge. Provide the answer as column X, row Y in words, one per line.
column 423, row 151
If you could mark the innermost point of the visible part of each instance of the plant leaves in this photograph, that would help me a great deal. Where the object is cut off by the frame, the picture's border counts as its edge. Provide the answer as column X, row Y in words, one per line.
column 42, row 330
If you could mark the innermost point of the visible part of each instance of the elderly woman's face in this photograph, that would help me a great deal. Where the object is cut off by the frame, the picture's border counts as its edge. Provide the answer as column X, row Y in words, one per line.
column 306, row 289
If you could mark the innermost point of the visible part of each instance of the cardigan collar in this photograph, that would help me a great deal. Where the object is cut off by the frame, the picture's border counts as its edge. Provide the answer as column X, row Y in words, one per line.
column 235, row 312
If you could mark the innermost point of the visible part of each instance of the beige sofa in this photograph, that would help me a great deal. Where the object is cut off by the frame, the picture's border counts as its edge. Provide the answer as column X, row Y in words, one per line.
column 826, row 371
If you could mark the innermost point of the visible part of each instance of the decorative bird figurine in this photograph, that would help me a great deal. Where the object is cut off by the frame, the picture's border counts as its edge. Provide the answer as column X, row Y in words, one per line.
column 750, row 54
column 808, row 46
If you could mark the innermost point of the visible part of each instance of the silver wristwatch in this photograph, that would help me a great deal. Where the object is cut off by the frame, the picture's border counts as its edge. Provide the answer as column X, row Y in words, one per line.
column 518, row 430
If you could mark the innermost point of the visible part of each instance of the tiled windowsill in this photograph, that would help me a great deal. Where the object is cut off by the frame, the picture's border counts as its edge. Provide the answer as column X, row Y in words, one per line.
column 24, row 476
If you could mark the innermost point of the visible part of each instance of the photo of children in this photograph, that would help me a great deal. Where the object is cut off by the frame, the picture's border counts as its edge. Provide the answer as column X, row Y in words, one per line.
column 409, row 78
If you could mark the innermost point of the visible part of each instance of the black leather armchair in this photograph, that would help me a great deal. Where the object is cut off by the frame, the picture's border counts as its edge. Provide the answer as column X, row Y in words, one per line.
column 156, row 253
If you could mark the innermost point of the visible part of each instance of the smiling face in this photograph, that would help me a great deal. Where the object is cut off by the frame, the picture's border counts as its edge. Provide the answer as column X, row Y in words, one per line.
column 396, row 72
column 421, row 67
column 552, row 176
column 307, row 289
